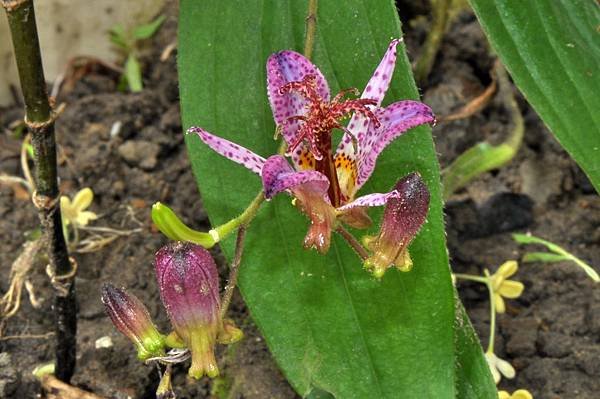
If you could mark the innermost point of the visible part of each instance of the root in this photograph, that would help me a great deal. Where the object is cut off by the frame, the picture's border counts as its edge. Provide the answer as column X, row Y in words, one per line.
column 11, row 301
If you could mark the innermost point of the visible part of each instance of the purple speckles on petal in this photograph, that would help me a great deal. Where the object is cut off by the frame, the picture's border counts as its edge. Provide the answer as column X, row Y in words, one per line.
column 278, row 176
column 230, row 150
column 285, row 67
column 396, row 119
column 376, row 88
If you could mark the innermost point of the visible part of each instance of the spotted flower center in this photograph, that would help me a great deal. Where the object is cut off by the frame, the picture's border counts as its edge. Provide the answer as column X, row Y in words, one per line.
column 318, row 123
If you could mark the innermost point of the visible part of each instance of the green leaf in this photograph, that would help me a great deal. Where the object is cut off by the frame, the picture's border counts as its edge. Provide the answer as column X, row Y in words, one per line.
column 483, row 157
column 327, row 322
column 147, row 31
column 552, row 50
column 133, row 73
column 529, row 239
column 118, row 37
column 470, row 369
column 480, row 158
column 545, row 257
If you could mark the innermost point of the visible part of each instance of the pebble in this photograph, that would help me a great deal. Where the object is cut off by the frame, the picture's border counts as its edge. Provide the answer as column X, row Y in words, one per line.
column 140, row 153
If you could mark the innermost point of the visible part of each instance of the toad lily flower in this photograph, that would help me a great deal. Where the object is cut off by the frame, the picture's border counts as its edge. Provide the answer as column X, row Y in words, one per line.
column 402, row 218
column 131, row 318
column 503, row 287
column 324, row 182
column 189, row 288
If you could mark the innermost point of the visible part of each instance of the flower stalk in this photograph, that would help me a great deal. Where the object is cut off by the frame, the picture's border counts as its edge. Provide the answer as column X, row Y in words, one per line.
column 40, row 123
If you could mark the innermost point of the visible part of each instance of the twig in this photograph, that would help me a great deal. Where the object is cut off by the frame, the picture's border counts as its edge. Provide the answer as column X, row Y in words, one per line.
column 40, row 123
column 311, row 28
column 233, row 271
column 356, row 246
column 57, row 389
column 27, row 336
column 473, row 106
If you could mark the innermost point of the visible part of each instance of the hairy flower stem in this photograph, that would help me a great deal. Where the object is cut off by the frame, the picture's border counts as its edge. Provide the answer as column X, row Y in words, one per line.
column 40, row 122
column 353, row 242
column 233, row 271
column 311, row 28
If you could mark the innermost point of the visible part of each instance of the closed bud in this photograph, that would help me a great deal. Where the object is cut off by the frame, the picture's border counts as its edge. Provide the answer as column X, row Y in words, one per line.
column 402, row 218
column 131, row 317
column 189, row 288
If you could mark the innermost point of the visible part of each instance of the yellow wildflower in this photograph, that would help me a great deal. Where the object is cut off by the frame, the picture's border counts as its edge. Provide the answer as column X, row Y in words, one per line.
column 503, row 287
column 74, row 212
column 499, row 366
column 518, row 394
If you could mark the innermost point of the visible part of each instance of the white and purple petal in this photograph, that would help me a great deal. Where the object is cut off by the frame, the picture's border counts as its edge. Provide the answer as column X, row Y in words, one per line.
column 278, row 175
column 232, row 151
column 375, row 90
column 282, row 68
column 375, row 199
column 395, row 120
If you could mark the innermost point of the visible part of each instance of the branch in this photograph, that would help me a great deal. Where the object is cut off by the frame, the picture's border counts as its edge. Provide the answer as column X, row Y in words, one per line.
column 39, row 119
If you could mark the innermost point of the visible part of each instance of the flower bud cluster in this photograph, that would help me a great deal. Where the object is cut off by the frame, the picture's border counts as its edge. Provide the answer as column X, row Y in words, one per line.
column 189, row 288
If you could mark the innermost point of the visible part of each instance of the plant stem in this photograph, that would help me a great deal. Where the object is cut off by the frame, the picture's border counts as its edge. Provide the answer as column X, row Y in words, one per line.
column 311, row 28
column 433, row 40
column 233, row 271
column 490, row 348
column 40, row 122
column 353, row 242
column 244, row 219
column 470, row 277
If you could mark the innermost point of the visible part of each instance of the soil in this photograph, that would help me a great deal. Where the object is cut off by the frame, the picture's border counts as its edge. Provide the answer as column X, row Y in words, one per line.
column 550, row 334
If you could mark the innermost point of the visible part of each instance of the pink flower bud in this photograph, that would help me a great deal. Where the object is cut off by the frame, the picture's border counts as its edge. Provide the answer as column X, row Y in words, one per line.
column 131, row 317
column 189, row 287
column 402, row 218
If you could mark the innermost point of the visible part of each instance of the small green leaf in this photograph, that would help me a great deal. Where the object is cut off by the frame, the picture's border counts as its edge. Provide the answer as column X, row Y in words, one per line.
column 545, row 257
column 529, row 239
column 118, row 37
column 480, row 158
column 552, row 50
column 133, row 73
column 484, row 157
column 146, row 31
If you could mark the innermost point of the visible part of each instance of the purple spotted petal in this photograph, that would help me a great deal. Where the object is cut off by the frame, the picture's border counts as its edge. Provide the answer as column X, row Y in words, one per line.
column 395, row 120
column 375, row 199
column 278, row 175
column 380, row 81
column 285, row 67
column 230, row 150
column 375, row 90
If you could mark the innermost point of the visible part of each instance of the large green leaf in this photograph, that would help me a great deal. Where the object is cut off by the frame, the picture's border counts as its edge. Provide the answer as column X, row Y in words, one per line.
column 552, row 50
column 327, row 322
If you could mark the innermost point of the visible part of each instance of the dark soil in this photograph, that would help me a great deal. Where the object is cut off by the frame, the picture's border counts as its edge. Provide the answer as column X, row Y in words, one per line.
column 550, row 334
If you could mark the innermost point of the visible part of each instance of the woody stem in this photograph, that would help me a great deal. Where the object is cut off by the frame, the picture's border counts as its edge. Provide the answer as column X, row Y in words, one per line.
column 40, row 122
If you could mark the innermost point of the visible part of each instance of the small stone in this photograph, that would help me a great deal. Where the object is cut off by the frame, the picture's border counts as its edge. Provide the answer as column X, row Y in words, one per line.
column 9, row 377
column 140, row 153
